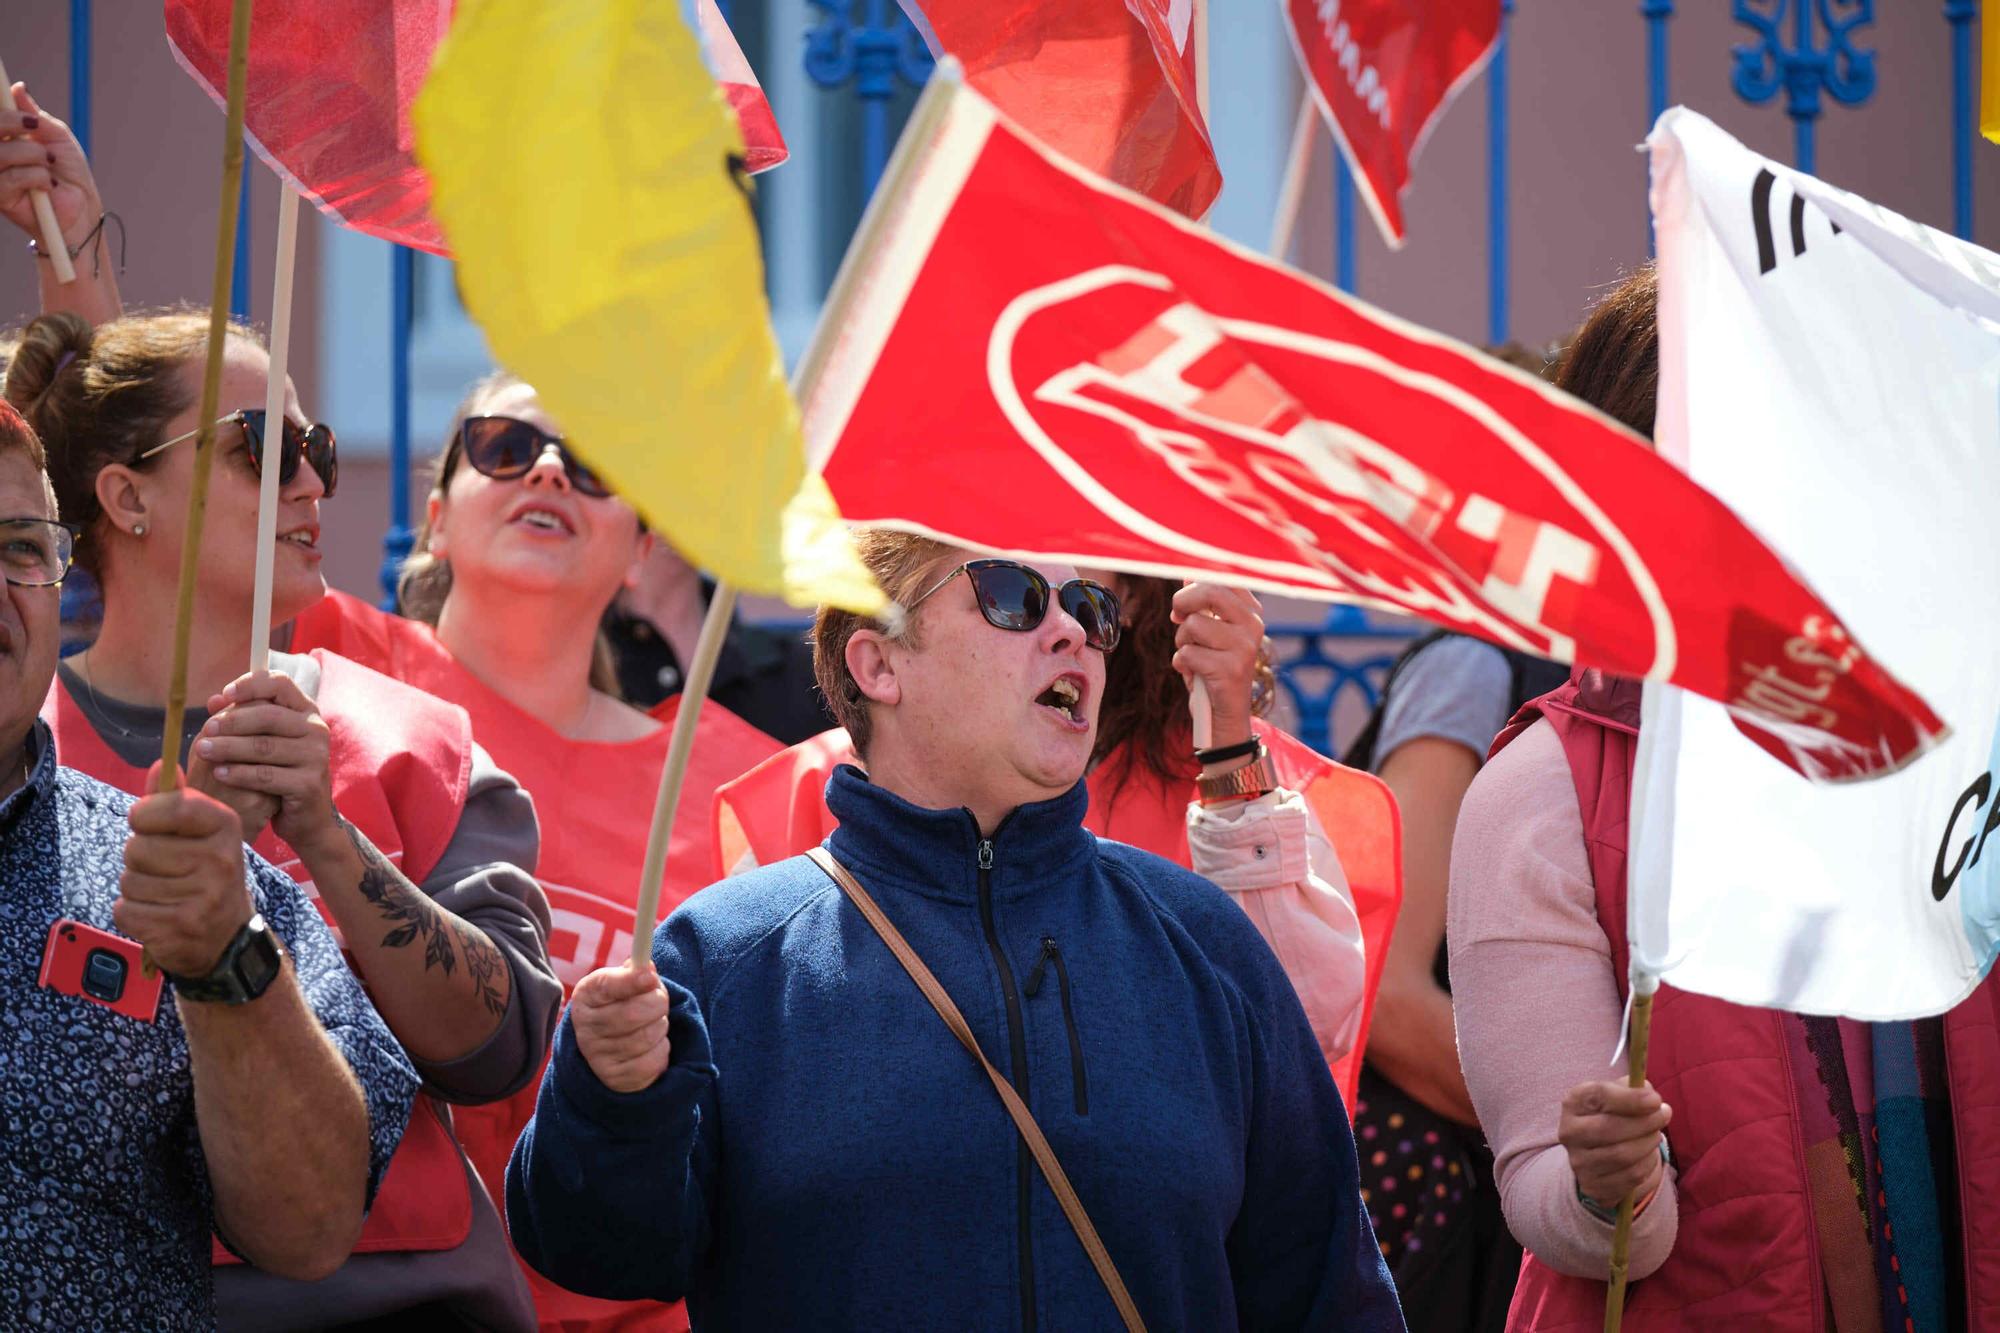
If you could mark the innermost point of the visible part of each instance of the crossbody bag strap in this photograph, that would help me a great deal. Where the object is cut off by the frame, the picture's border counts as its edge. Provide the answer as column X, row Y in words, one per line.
column 1024, row 1119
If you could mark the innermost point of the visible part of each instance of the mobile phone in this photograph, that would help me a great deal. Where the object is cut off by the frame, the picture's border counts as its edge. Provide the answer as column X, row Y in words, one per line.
column 101, row 967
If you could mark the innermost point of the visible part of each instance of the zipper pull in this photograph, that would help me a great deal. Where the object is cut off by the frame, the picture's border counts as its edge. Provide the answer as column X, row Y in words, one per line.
column 1034, row 982
column 986, row 853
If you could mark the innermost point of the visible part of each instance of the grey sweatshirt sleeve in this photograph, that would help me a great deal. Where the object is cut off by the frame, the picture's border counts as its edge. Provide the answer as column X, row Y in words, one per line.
column 485, row 878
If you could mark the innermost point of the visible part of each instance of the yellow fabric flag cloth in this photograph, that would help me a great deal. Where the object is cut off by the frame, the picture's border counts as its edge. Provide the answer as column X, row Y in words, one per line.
column 586, row 171
column 1989, row 71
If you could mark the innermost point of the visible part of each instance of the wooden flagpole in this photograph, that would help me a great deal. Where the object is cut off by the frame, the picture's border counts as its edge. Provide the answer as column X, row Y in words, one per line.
column 1292, row 188
column 714, row 629
column 274, row 427
column 1621, row 1239
column 45, row 212
column 211, row 392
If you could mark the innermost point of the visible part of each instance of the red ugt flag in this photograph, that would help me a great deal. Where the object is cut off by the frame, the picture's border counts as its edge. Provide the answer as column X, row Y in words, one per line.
column 1107, row 83
column 330, row 88
column 1033, row 360
column 1382, row 72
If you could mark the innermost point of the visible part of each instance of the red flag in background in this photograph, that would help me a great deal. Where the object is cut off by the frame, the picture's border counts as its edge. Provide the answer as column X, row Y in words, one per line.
column 765, row 147
column 1107, row 83
column 330, row 88
column 1121, row 388
column 1382, row 72
column 328, row 106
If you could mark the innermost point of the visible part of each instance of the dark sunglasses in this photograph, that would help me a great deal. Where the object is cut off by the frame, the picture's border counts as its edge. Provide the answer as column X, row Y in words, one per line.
column 314, row 443
column 506, row 449
column 1014, row 596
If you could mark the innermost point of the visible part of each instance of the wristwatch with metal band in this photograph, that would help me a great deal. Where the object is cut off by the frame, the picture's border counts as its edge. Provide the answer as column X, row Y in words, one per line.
column 248, row 966
column 1254, row 779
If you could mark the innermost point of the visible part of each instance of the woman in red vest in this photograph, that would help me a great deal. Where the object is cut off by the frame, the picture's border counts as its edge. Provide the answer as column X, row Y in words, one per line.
column 1794, row 1172
column 521, row 551
column 368, row 792
column 1306, row 847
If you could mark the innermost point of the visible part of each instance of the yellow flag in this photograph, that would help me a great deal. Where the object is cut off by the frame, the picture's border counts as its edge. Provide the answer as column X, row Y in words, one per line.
column 586, row 171
column 1989, row 71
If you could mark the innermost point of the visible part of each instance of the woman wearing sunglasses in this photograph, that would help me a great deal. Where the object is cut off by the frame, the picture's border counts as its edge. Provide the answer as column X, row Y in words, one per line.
column 419, row 848
column 799, row 1116
column 1259, row 812
column 521, row 552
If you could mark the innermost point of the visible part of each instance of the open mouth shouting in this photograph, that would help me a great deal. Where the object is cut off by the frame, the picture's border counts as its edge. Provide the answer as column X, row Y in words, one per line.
column 1065, row 697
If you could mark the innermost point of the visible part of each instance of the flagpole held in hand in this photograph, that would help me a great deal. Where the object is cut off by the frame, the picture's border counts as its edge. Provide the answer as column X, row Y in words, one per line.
column 45, row 212
column 211, row 391
column 1638, row 1034
column 714, row 629
column 274, row 428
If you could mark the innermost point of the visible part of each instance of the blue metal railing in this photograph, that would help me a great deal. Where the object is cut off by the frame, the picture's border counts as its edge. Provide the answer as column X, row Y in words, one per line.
column 79, row 72
column 1497, row 250
column 402, row 313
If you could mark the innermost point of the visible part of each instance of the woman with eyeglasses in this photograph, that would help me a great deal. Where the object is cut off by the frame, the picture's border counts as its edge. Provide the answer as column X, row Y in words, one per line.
column 419, row 848
column 1258, row 812
column 522, row 549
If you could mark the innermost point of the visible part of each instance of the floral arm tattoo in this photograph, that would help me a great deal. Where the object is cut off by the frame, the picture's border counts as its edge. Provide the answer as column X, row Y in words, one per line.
column 411, row 916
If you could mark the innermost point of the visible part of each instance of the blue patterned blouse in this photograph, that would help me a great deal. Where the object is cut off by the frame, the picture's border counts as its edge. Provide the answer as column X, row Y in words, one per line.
column 105, row 1207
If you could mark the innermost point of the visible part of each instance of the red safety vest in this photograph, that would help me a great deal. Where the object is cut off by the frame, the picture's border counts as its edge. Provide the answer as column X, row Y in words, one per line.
column 1746, row 1254
column 594, row 803
column 400, row 763
column 778, row 809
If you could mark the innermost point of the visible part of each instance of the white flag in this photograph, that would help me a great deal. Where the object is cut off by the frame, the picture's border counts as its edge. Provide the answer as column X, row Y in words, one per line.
column 1831, row 371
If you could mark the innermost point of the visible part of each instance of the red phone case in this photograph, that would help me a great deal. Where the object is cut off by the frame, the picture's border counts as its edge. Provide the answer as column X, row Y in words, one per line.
column 70, row 948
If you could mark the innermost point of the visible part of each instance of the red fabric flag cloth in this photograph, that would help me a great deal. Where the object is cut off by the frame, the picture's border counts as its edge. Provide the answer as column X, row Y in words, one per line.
column 1121, row 388
column 778, row 809
column 328, row 104
column 1382, row 72
column 330, row 88
column 764, row 145
column 1107, row 83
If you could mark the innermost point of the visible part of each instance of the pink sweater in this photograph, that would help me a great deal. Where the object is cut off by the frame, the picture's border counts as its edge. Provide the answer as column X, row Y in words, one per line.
column 1536, row 999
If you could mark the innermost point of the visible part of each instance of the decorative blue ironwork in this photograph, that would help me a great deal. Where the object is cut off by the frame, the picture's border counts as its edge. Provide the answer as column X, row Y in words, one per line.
column 1806, row 68
column 402, row 310
column 1960, row 13
column 873, row 53
column 79, row 72
column 1315, row 677
column 1496, row 184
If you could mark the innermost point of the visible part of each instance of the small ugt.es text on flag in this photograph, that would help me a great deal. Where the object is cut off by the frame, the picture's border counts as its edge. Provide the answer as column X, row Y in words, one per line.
column 1120, row 388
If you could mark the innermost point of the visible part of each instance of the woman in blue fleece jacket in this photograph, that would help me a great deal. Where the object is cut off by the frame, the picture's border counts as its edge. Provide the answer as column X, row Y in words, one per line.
column 775, row 1124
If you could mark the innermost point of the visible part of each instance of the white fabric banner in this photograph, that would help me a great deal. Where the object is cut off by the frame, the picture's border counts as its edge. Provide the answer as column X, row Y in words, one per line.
column 1831, row 371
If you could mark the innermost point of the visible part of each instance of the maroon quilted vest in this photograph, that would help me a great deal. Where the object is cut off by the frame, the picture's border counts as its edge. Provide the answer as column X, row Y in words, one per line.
column 1746, row 1254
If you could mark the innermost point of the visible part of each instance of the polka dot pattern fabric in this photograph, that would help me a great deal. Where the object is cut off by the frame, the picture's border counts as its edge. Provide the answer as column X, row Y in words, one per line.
column 1414, row 1169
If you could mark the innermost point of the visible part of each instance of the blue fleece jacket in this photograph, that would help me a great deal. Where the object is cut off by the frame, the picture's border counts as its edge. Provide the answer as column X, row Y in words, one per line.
column 821, row 1153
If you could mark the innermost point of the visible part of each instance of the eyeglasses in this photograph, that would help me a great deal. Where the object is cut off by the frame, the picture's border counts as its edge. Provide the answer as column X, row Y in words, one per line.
column 35, row 552
column 314, row 443
column 507, row 448
column 1013, row 596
